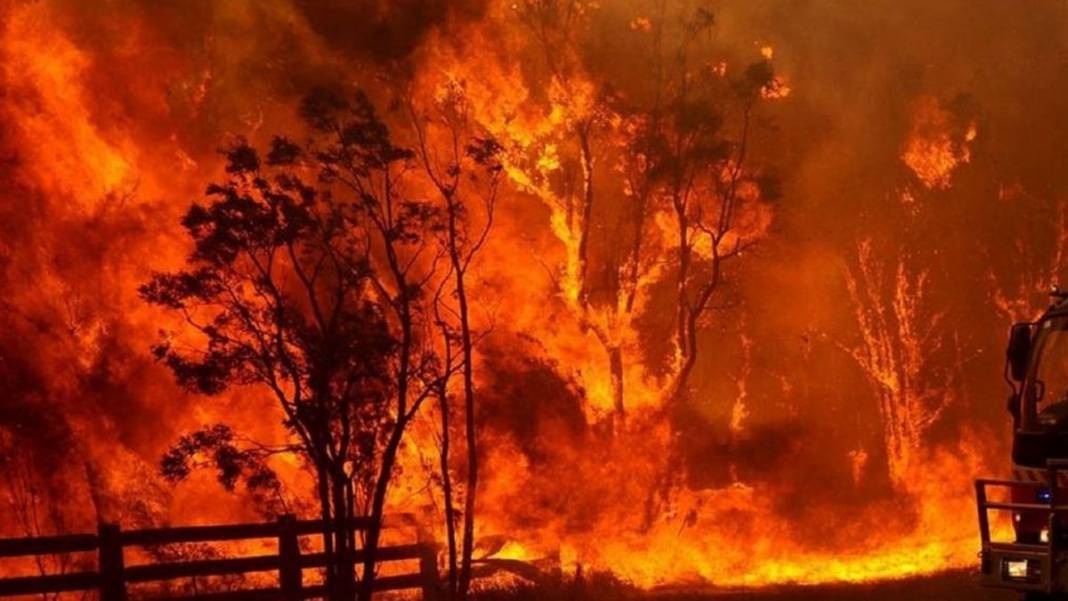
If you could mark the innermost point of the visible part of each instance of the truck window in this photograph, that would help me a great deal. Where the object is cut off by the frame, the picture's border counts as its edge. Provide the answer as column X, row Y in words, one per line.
column 1046, row 390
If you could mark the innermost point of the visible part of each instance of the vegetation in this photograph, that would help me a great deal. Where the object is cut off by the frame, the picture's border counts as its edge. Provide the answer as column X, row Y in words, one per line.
column 311, row 291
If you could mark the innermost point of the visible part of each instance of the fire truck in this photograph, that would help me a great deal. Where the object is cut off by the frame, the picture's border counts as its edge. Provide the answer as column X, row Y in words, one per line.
column 1034, row 560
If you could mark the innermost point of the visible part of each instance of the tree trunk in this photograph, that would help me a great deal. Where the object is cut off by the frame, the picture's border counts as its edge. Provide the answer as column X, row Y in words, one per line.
column 681, row 383
column 326, row 514
column 403, row 307
column 446, row 488
column 615, row 364
column 586, row 212
column 682, row 278
column 378, row 503
column 467, row 348
column 346, row 571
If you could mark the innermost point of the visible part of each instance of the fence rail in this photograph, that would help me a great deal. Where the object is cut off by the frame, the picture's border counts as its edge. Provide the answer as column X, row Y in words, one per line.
column 113, row 575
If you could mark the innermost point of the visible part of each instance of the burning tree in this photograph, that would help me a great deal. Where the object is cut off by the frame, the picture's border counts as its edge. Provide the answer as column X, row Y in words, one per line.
column 906, row 351
column 566, row 176
column 311, row 292
column 900, row 341
column 677, row 146
column 699, row 160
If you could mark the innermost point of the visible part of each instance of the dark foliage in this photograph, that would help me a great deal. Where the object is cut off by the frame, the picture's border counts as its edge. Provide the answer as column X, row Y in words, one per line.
column 235, row 461
column 302, row 282
column 278, row 287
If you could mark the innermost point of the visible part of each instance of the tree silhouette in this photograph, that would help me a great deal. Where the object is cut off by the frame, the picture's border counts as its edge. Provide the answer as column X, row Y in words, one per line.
column 357, row 160
column 304, row 292
column 466, row 175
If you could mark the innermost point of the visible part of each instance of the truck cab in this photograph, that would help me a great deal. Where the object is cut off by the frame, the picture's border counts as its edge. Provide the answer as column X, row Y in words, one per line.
column 1035, row 560
column 1039, row 403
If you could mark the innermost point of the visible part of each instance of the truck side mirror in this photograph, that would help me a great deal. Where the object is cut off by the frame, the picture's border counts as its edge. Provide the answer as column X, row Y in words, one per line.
column 1019, row 350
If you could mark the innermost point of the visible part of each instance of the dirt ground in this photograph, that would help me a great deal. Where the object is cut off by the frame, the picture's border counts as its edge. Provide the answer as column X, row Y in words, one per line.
column 950, row 586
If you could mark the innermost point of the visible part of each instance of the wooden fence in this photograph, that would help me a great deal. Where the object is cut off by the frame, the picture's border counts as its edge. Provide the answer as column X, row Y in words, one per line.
column 112, row 574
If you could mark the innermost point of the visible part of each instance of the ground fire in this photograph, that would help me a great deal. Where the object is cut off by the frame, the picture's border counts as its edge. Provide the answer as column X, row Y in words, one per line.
column 673, row 293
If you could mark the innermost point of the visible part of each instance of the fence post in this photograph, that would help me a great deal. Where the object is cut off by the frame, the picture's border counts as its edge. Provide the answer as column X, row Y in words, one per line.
column 111, row 566
column 289, row 569
column 428, row 570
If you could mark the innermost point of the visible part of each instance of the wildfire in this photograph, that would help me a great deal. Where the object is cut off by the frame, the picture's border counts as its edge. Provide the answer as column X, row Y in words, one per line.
column 651, row 402
column 50, row 107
